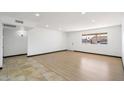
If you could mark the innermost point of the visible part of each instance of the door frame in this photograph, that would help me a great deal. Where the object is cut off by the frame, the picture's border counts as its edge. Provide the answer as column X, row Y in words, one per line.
column 1, row 45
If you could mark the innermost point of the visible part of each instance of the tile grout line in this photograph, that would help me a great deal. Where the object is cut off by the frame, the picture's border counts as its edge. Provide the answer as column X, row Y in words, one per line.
column 51, row 70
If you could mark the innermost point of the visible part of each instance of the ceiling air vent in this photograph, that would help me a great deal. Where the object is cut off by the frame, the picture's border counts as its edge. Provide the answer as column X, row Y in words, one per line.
column 19, row 21
column 8, row 25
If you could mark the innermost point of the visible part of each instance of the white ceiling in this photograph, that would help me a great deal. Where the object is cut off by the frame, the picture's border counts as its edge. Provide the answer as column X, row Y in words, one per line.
column 69, row 21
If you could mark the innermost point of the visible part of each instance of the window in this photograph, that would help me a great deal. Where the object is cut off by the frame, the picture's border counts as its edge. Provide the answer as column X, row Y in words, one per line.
column 95, row 38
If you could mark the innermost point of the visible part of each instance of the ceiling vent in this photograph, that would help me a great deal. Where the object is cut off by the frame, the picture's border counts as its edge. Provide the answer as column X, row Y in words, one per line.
column 19, row 21
column 8, row 25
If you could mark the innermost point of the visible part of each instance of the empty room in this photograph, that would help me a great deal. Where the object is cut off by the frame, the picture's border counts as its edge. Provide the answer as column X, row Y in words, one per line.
column 61, row 46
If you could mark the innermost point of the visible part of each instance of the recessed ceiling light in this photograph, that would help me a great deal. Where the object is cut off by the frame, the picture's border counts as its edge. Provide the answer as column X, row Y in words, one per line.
column 37, row 14
column 93, row 20
column 83, row 13
column 46, row 25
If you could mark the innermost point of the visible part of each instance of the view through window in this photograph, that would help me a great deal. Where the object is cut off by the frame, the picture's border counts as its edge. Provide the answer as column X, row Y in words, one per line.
column 95, row 38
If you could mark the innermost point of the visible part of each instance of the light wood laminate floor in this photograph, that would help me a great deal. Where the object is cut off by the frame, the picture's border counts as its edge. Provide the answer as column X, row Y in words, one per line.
column 59, row 66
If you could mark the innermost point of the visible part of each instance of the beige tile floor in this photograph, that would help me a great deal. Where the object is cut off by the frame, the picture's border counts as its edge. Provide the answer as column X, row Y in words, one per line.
column 21, row 68
column 62, row 66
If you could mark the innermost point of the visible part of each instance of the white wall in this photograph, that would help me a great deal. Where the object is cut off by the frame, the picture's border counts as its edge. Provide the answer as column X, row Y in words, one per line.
column 123, row 41
column 112, row 48
column 13, row 43
column 42, row 40
column 1, row 45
